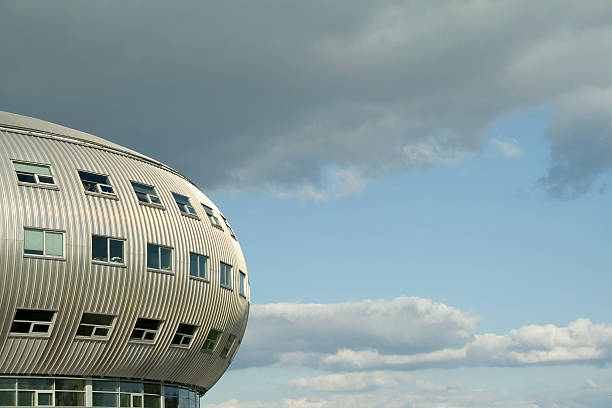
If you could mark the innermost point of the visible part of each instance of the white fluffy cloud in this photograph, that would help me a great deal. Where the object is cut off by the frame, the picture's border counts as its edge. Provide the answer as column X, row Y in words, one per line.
column 408, row 333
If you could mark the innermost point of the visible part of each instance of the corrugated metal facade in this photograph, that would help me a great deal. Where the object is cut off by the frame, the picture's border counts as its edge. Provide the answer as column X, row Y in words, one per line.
column 76, row 285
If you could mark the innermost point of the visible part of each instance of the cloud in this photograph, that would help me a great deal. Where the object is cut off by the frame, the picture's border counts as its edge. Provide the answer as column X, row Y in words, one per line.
column 509, row 149
column 229, row 95
column 408, row 333
column 354, row 381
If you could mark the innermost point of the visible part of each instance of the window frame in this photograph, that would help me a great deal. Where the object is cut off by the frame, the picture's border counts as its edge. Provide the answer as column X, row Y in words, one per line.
column 229, row 228
column 44, row 255
column 142, row 339
column 99, row 192
column 229, row 345
column 231, row 267
column 184, row 336
column 109, row 262
column 149, row 202
column 46, row 334
column 95, row 327
column 207, row 350
column 193, row 215
column 206, row 278
column 38, row 183
column 242, row 287
column 212, row 218
column 159, row 247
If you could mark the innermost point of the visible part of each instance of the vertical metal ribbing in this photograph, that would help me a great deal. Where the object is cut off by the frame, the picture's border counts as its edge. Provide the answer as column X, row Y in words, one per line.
column 75, row 285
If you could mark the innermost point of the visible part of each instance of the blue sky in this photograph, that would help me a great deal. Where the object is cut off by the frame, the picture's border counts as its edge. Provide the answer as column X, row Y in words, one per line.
column 421, row 189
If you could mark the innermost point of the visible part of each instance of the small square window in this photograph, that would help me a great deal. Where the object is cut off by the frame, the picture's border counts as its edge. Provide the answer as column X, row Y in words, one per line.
column 226, row 275
column 43, row 242
column 242, row 284
column 96, row 183
column 211, row 340
column 146, row 194
column 159, row 258
column 198, row 265
column 184, row 335
column 33, row 322
column 214, row 221
column 184, row 205
column 95, row 326
column 228, row 346
column 145, row 330
column 107, row 250
column 35, row 174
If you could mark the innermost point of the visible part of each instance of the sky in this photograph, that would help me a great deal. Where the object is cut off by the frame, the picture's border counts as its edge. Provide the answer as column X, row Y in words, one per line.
column 421, row 189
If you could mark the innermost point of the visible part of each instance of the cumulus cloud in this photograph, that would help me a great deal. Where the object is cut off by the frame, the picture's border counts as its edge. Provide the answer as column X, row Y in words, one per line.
column 509, row 149
column 229, row 95
column 355, row 381
column 408, row 333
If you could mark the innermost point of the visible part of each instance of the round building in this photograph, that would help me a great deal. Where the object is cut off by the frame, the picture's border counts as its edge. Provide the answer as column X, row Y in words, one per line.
column 121, row 283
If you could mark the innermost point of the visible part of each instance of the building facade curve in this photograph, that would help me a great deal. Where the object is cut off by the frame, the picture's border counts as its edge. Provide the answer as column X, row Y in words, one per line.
column 121, row 282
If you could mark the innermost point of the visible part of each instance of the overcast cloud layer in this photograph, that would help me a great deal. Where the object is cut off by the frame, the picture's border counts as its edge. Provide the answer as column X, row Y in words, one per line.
column 408, row 333
column 315, row 98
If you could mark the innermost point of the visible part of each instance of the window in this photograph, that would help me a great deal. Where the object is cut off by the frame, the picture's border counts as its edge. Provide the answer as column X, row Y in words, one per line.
column 214, row 221
column 95, row 326
column 228, row 346
column 159, row 258
column 184, row 205
column 43, row 242
column 104, row 249
column 242, row 288
column 145, row 330
column 231, row 231
column 32, row 173
column 226, row 275
column 211, row 340
column 198, row 265
column 146, row 194
column 69, row 392
column 184, row 335
column 33, row 322
column 96, row 183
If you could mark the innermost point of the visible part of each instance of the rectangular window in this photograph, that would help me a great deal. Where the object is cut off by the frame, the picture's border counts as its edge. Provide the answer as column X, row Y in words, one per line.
column 33, row 322
column 95, row 326
column 184, row 335
column 145, row 330
column 228, row 346
column 231, row 231
column 198, row 265
column 32, row 173
column 214, row 221
column 105, row 249
column 211, row 340
column 159, row 258
column 43, row 242
column 184, row 204
column 242, row 284
column 96, row 183
column 146, row 194
column 226, row 275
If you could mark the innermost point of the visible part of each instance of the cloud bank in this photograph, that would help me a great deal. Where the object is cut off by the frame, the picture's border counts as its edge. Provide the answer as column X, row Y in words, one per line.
column 350, row 92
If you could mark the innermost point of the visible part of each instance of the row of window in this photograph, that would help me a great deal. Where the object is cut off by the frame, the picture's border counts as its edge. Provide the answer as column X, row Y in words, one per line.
column 36, row 174
column 72, row 392
column 50, row 243
column 97, row 326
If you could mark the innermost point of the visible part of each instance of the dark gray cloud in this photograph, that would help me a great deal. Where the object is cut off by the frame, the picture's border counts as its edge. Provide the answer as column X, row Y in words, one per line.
column 311, row 97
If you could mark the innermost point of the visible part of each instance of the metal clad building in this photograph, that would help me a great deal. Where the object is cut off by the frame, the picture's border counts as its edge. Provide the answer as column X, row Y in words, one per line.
column 112, row 266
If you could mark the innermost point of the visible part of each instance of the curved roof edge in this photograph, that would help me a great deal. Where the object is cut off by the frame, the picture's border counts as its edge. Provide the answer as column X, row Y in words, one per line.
column 28, row 124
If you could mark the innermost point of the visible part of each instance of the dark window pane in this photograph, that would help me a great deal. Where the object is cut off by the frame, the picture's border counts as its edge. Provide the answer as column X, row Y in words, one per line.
column 177, row 339
column 125, row 400
column 7, row 383
column 137, row 334
column 25, row 398
column 130, row 386
column 193, row 264
column 7, row 398
column 46, row 179
column 34, row 315
column 20, row 327
column 191, row 209
column 171, row 402
column 35, row 383
column 94, row 178
column 152, row 256
column 100, row 319
column 149, row 324
column 106, row 189
column 69, row 399
column 186, row 341
column 69, row 384
column 150, row 388
column 155, row 200
column 152, row 401
column 186, row 329
column 136, row 401
column 142, row 188
column 150, row 336
column 203, row 273
column 103, row 399
column 44, row 399
column 166, row 258
column 99, row 385
column 142, row 197
column 26, row 178
column 101, row 332
column 93, row 187
column 40, row 328
column 99, row 249
column 84, row 330
column 180, row 198
column 116, row 251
